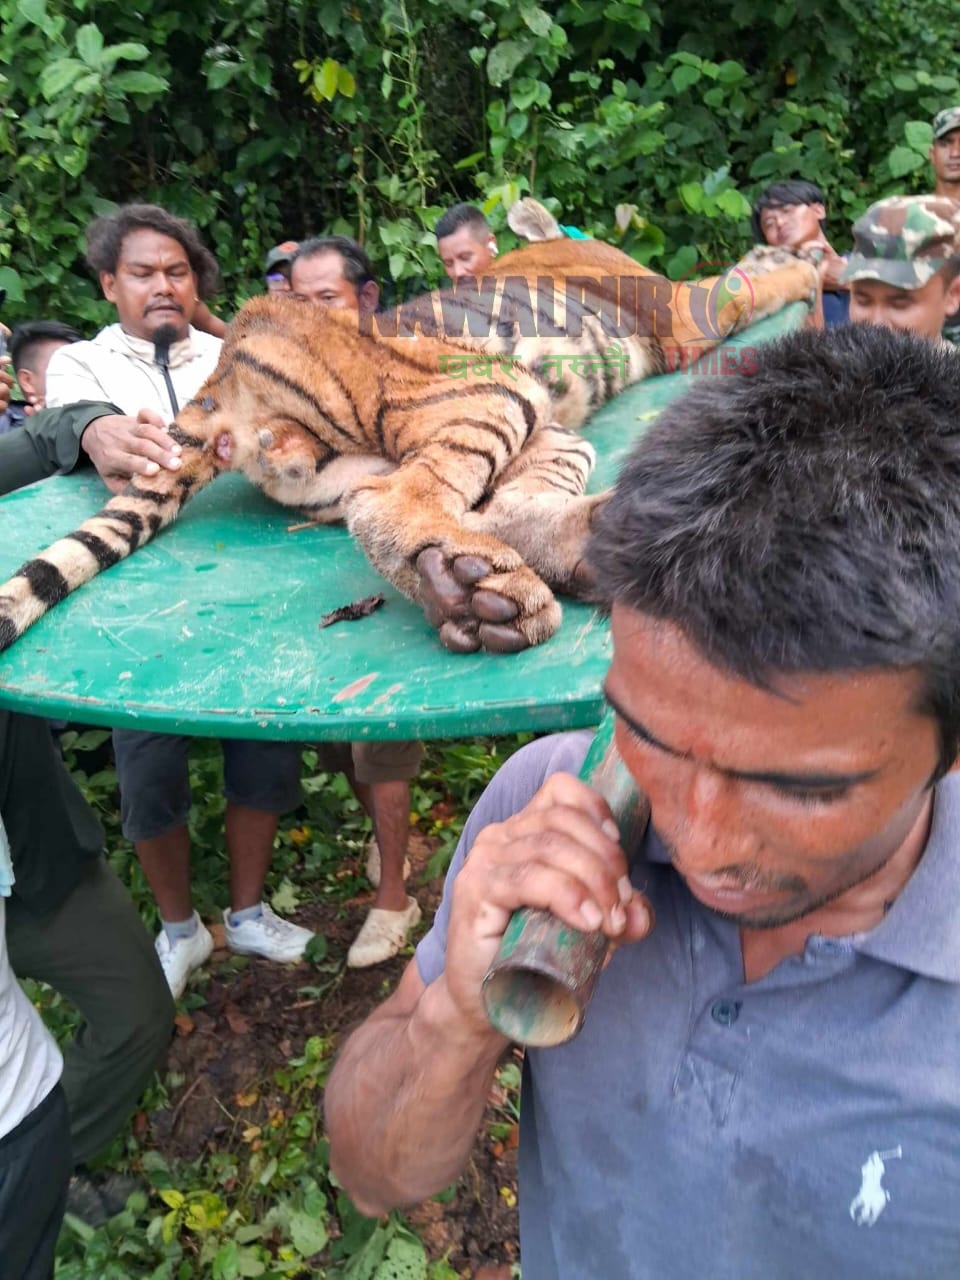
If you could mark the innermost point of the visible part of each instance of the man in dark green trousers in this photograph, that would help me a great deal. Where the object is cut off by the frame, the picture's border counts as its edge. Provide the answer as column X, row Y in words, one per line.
column 72, row 924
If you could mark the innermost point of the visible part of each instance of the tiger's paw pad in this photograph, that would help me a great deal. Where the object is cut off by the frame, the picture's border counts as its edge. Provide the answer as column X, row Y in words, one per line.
column 469, row 617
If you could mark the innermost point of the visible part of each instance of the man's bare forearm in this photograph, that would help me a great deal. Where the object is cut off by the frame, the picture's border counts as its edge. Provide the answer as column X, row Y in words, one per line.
column 405, row 1100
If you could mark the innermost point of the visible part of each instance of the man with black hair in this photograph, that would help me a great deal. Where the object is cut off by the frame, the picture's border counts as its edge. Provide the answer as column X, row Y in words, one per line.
column 766, row 1083
column 465, row 243
column 31, row 346
column 155, row 269
column 334, row 271
column 792, row 214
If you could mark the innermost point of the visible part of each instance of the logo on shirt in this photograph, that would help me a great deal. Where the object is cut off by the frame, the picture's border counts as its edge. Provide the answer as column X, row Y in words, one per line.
column 873, row 1197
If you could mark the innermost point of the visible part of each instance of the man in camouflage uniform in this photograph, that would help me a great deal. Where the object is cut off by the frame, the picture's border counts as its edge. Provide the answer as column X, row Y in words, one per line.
column 904, row 271
column 945, row 153
column 945, row 158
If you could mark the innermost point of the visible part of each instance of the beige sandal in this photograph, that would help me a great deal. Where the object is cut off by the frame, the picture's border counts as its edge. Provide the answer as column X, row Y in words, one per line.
column 383, row 935
column 373, row 864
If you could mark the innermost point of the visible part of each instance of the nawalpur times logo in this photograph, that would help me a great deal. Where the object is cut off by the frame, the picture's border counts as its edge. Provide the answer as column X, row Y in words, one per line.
column 721, row 299
column 717, row 298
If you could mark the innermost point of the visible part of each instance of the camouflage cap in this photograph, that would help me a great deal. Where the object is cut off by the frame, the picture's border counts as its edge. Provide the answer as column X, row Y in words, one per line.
column 946, row 121
column 904, row 241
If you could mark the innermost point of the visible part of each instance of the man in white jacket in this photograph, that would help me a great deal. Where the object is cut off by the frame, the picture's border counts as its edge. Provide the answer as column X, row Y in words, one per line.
column 156, row 271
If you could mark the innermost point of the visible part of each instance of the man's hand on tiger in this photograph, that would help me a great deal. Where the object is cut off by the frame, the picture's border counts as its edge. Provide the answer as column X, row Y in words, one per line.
column 120, row 447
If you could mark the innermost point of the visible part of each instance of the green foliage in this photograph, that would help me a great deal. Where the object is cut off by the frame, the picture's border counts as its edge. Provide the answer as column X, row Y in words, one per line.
column 628, row 117
column 264, row 1203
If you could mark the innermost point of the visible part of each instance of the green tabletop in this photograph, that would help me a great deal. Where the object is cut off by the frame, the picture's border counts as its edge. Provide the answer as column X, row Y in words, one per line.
column 213, row 629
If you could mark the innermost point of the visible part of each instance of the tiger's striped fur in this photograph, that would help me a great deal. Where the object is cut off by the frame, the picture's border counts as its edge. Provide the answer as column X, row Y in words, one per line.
column 366, row 429
column 465, row 495
column 554, row 298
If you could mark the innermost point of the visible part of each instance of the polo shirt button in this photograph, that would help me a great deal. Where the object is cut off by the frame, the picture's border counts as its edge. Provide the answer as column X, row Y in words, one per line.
column 725, row 1012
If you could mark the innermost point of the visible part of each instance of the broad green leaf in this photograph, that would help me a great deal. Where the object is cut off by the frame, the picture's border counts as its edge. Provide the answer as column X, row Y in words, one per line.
column 10, row 280
column 523, row 92
column 684, row 76
column 59, row 76
column 308, row 1233
column 504, row 59
column 946, row 84
column 346, row 84
column 226, row 1262
column 730, row 72
column 174, row 1199
column 683, row 261
column 219, row 74
column 904, row 82
column 129, row 51
column 903, row 160
column 386, row 85
column 536, row 18
column 517, row 124
column 33, row 11
column 691, row 195
column 325, row 78
column 139, row 82
column 733, row 203
column 405, row 1259
column 72, row 160
column 919, row 135
column 286, row 898
column 90, row 44
column 397, row 263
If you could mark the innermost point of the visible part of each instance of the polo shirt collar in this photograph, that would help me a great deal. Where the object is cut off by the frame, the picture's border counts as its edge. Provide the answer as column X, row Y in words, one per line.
column 921, row 931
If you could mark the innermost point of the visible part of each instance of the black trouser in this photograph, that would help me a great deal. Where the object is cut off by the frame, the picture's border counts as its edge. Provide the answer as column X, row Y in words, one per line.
column 95, row 951
column 35, row 1166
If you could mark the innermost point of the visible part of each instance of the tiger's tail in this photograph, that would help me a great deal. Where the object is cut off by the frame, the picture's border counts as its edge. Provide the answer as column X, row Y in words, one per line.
column 127, row 522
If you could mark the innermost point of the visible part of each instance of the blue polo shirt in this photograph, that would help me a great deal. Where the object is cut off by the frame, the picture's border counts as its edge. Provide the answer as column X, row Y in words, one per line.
column 804, row 1125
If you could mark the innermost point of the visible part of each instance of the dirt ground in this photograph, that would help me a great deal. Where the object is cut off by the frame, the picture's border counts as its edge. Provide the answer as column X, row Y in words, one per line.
column 254, row 1019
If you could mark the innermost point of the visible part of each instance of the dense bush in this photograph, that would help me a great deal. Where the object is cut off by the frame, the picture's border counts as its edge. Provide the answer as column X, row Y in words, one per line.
column 650, row 122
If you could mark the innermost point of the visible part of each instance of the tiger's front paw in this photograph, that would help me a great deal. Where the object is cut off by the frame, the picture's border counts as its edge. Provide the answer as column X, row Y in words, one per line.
column 474, row 608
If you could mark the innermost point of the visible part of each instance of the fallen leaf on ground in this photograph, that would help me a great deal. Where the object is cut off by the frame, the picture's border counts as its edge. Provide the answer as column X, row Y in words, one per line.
column 237, row 1021
column 352, row 612
column 185, row 1024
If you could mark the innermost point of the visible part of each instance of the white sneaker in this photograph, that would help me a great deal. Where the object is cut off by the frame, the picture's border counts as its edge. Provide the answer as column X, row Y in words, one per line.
column 179, row 959
column 269, row 936
column 383, row 935
column 373, row 864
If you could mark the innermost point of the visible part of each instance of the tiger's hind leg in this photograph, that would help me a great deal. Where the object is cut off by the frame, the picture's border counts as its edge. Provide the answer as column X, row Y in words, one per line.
column 127, row 522
column 474, row 588
column 539, row 508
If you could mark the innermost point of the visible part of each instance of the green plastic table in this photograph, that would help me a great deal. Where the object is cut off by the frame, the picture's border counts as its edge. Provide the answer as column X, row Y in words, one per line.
column 213, row 629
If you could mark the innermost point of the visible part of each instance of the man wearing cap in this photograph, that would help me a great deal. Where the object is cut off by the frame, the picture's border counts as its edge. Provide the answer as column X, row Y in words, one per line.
column 904, row 271
column 945, row 158
column 276, row 269
column 945, row 153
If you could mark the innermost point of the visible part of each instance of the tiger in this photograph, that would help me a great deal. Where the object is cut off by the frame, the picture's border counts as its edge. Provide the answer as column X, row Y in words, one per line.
column 469, row 496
